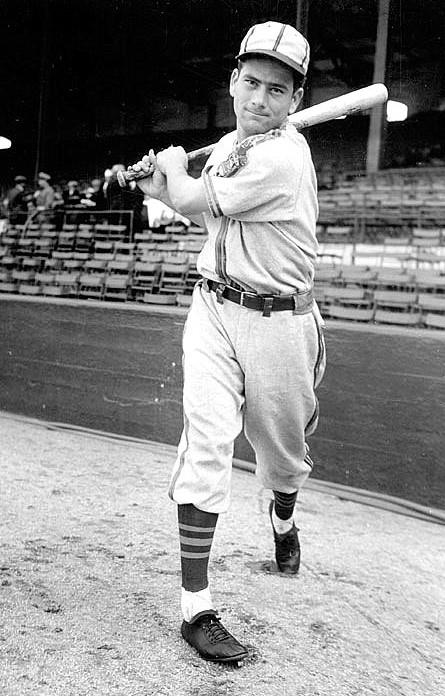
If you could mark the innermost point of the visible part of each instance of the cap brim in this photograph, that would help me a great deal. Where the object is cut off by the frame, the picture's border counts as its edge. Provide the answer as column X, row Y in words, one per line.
column 276, row 55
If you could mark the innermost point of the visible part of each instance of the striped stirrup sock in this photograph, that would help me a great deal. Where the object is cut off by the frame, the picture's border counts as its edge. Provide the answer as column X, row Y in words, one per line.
column 284, row 504
column 196, row 529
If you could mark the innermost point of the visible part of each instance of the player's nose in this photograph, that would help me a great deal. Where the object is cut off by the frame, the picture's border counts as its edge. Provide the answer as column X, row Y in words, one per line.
column 259, row 98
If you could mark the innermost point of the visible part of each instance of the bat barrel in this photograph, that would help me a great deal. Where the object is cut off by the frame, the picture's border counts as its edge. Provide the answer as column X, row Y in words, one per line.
column 345, row 105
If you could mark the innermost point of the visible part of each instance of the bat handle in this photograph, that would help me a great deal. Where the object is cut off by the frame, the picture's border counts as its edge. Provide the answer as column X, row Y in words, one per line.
column 125, row 177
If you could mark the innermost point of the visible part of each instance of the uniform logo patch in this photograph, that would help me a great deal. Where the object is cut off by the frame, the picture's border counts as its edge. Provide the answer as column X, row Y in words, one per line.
column 238, row 156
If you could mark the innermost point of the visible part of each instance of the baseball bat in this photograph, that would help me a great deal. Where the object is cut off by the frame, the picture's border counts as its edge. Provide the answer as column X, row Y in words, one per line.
column 345, row 105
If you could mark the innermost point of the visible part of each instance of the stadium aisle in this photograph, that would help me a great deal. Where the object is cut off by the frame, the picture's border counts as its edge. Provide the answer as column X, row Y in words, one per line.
column 89, row 583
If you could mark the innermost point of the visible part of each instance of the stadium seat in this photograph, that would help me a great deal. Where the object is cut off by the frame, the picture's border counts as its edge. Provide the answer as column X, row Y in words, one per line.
column 402, row 300
column 345, row 296
column 65, row 241
column 125, row 248
column 383, row 316
column 427, row 301
column 91, row 286
column 117, row 287
column 145, row 278
column 435, row 321
column 173, row 277
column 156, row 298
column 351, row 313
column 115, row 267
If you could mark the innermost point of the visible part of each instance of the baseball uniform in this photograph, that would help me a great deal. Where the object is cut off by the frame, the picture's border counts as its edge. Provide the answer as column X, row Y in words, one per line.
column 244, row 367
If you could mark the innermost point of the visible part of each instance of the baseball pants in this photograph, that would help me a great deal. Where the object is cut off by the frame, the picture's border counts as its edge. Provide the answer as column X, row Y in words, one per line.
column 242, row 369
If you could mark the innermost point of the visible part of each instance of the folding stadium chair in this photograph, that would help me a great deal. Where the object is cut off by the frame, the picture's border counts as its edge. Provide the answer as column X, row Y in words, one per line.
column 23, row 280
column 84, row 240
column 66, row 241
column 435, row 321
column 145, row 278
column 95, row 266
column 427, row 301
column 24, row 247
column 144, row 248
column 394, row 279
column 429, row 280
column 45, row 280
column 91, row 286
column 351, row 313
column 117, row 233
column 360, row 276
column 6, row 282
column 172, row 279
column 69, row 227
column 119, row 267
column 125, row 249
column 117, row 287
column 402, row 300
column 327, row 275
column 43, row 247
column 142, row 237
column 103, row 247
column 383, row 316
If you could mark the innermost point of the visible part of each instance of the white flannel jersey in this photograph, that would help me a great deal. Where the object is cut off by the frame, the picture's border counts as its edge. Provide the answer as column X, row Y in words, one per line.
column 263, row 208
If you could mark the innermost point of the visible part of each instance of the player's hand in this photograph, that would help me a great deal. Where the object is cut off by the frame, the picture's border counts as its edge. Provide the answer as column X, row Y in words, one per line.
column 172, row 157
column 155, row 184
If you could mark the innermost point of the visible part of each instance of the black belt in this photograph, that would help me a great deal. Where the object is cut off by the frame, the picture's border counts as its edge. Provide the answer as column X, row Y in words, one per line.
column 299, row 302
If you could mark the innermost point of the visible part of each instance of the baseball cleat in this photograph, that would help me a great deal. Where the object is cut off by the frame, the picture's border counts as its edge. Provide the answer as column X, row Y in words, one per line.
column 213, row 642
column 287, row 548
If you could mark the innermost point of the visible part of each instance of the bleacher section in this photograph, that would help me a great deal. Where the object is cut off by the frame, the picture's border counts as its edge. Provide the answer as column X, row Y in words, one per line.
column 93, row 261
column 387, row 205
column 394, row 277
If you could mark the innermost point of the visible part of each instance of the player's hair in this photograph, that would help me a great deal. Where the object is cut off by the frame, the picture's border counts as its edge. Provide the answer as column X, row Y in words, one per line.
column 299, row 80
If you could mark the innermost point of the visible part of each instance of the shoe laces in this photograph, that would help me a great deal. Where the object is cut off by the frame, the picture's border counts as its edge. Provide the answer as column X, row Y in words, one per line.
column 215, row 630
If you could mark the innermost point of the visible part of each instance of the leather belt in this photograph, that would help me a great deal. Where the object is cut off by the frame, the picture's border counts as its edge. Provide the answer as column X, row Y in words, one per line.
column 298, row 303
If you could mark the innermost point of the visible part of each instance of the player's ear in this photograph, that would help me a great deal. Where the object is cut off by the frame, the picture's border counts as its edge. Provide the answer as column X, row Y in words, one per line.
column 296, row 99
column 233, row 79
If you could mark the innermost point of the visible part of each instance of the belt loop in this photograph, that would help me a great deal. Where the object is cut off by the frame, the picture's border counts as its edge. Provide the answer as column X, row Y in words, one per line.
column 295, row 299
column 267, row 307
column 219, row 293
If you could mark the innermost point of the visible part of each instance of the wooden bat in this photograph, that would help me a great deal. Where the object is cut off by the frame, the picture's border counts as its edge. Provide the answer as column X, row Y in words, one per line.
column 345, row 105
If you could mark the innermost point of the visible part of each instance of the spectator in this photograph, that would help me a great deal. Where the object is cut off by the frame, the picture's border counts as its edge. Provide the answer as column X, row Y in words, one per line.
column 15, row 202
column 44, row 196
column 71, row 194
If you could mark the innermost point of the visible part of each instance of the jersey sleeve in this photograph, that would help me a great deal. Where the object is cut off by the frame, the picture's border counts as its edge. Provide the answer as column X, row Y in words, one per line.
column 266, row 188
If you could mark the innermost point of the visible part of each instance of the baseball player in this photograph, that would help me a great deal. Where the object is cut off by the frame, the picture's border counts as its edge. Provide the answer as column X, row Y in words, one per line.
column 253, row 343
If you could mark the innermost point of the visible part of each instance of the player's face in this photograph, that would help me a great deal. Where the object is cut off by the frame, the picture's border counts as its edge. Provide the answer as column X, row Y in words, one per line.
column 263, row 96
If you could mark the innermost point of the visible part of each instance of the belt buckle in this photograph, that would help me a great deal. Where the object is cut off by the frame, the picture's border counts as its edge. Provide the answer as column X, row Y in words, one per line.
column 244, row 293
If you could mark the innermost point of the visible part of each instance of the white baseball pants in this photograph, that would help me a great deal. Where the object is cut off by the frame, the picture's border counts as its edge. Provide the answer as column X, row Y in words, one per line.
column 241, row 368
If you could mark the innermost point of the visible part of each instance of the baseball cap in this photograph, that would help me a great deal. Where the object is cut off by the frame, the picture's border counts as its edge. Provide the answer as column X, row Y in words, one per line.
column 20, row 179
column 43, row 175
column 280, row 41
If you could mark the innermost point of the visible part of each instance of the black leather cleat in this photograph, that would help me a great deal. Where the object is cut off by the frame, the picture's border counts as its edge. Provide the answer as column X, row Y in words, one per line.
column 213, row 642
column 287, row 548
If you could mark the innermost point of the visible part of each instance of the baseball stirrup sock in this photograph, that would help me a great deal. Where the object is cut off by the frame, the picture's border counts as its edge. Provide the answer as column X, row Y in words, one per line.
column 196, row 529
column 284, row 504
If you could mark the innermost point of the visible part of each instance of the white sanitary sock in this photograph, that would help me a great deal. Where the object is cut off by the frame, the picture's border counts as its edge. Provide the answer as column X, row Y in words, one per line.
column 194, row 602
column 281, row 526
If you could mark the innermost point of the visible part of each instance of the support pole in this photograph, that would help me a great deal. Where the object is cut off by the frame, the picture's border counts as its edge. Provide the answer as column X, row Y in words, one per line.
column 377, row 122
